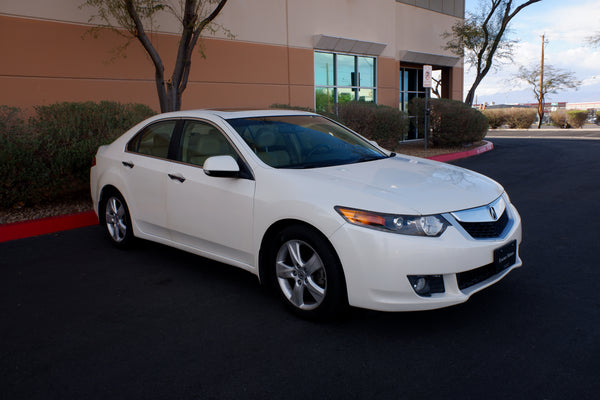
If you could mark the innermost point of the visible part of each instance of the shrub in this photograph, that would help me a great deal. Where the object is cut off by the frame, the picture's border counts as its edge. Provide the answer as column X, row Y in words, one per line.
column 49, row 157
column 598, row 117
column 520, row 118
column 496, row 117
column 10, row 120
column 559, row 118
column 452, row 123
column 383, row 124
column 576, row 118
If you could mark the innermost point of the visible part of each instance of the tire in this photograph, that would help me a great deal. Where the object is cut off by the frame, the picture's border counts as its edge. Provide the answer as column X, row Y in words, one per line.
column 307, row 274
column 116, row 220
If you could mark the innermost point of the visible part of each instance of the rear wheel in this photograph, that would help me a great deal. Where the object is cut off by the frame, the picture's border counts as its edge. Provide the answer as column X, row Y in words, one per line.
column 307, row 273
column 116, row 219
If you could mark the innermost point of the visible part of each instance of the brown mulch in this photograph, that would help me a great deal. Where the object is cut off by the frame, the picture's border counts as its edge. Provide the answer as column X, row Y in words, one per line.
column 64, row 207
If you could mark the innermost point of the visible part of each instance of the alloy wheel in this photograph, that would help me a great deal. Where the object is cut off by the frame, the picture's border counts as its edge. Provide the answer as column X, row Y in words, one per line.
column 301, row 274
column 116, row 219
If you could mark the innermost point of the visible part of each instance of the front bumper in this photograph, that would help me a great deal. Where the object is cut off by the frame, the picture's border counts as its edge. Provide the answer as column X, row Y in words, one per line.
column 377, row 264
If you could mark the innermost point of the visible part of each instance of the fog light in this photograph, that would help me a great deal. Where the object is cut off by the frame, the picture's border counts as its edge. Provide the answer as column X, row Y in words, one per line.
column 421, row 285
column 425, row 285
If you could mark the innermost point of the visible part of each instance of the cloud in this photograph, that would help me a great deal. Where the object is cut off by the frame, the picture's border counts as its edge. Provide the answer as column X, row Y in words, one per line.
column 577, row 59
column 570, row 22
column 566, row 25
column 593, row 81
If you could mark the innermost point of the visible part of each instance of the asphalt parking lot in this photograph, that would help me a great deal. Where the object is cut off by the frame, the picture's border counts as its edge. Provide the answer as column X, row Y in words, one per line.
column 81, row 319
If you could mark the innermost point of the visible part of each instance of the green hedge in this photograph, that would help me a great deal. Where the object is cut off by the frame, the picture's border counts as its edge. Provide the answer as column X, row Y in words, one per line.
column 559, row 119
column 382, row 124
column 48, row 157
column 452, row 123
column 598, row 117
column 576, row 118
column 520, row 118
column 515, row 118
column 496, row 117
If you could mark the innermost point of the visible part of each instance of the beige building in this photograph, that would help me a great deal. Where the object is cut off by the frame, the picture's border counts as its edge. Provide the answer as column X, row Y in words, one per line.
column 310, row 53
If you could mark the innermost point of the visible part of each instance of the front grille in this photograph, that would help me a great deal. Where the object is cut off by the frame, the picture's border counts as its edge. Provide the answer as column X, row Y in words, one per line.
column 480, row 230
column 469, row 278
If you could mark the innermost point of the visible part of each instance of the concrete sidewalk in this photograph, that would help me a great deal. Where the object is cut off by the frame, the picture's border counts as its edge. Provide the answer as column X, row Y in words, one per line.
column 587, row 132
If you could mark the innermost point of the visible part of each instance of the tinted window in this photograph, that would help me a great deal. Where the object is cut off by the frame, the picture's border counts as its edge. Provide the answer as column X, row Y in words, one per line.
column 303, row 141
column 201, row 140
column 153, row 140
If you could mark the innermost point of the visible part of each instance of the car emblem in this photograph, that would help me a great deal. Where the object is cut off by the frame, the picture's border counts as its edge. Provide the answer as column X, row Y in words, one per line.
column 493, row 213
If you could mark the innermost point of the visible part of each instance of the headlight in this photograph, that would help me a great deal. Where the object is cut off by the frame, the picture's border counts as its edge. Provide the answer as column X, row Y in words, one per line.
column 415, row 225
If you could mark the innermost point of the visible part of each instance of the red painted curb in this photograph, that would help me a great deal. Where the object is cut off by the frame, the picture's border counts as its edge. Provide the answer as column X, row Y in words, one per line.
column 42, row 226
column 463, row 154
column 20, row 230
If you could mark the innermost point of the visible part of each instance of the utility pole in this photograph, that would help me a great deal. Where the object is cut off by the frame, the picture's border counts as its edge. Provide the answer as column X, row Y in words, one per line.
column 541, row 103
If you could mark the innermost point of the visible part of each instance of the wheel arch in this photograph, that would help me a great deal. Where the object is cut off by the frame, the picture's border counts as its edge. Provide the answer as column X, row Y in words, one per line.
column 104, row 192
column 269, row 238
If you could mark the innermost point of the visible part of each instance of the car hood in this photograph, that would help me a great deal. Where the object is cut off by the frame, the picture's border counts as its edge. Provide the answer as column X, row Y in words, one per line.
column 404, row 184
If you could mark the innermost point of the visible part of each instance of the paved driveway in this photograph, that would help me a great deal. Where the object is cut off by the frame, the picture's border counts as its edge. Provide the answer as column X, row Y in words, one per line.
column 81, row 319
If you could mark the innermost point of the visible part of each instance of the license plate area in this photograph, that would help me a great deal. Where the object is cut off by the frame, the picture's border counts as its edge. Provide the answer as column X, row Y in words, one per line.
column 505, row 256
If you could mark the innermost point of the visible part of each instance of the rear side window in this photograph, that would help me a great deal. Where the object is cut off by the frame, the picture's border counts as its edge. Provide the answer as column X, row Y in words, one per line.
column 153, row 140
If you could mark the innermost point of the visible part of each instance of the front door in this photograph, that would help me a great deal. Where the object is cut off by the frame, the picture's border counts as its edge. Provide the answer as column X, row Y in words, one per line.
column 212, row 215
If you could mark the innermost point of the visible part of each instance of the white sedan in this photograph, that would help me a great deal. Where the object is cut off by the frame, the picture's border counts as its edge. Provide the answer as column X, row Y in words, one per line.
column 323, row 215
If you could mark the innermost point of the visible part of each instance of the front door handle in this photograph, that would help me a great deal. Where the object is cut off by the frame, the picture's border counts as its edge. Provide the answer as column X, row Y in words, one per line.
column 127, row 164
column 177, row 178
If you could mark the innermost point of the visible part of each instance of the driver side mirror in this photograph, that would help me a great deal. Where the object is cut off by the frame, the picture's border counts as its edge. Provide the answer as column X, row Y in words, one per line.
column 221, row 166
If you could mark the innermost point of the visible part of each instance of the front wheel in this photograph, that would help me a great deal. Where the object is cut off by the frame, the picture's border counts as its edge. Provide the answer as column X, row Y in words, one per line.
column 116, row 219
column 308, row 274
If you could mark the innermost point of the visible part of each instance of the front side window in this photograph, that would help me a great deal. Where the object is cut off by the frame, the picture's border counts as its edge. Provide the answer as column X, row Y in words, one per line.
column 153, row 140
column 340, row 78
column 301, row 141
column 201, row 140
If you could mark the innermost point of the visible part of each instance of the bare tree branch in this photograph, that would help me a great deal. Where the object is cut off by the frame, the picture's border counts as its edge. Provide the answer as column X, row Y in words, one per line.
column 137, row 16
column 555, row 80
column 480, row 39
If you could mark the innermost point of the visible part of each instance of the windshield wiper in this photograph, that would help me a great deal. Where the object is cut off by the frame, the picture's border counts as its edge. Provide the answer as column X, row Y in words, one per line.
column 367, row 158
column 318, row 164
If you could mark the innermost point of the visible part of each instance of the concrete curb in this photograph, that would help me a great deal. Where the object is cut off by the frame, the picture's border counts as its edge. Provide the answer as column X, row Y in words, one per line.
column 464, row 154
column 544, row 137
column 42, row 226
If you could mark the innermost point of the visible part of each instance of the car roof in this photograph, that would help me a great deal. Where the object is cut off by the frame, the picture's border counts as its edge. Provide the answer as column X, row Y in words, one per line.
column 233, row 114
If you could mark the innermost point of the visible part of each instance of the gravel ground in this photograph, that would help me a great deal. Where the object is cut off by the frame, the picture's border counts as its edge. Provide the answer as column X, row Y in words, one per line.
column 81, row 205
column 45, row 210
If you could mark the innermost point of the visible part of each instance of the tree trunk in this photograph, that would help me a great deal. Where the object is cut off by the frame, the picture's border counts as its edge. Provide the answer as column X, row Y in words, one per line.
column 471, row 95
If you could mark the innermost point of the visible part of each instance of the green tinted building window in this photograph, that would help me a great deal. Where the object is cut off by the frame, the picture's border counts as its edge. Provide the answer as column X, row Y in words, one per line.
column 340, row 78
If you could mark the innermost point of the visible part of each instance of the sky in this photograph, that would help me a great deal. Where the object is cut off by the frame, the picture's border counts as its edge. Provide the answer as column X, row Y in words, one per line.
column 566, row 24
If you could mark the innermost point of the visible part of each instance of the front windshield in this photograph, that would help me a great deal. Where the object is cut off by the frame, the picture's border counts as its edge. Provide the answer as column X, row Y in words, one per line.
column 303, row 141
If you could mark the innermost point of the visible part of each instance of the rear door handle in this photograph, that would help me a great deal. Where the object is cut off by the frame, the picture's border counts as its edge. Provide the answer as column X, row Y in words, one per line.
column 127, row 164
column 177, row 178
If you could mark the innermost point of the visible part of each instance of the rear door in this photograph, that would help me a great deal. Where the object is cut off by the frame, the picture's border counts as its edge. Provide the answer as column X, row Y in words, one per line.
column 145, row 166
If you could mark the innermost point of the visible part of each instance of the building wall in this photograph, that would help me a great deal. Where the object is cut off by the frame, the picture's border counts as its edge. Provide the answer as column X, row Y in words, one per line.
column 47, row 55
